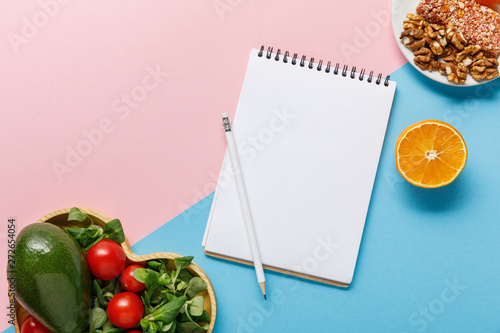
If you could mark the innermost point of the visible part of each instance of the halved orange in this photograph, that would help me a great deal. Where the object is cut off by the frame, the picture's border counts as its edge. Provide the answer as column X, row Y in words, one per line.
column 430, row 153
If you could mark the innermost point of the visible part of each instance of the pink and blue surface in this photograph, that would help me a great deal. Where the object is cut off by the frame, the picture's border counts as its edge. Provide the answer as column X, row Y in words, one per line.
column 116, row 106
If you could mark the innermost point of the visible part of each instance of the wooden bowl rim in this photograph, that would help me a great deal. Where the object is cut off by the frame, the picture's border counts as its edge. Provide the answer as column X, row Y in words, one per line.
column 138, row 258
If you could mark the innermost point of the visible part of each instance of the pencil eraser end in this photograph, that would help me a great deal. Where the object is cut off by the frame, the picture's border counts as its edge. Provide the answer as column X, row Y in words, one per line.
column 225, row 115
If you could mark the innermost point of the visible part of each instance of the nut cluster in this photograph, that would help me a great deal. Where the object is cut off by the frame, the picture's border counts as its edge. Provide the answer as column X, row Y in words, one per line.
column 431, row 43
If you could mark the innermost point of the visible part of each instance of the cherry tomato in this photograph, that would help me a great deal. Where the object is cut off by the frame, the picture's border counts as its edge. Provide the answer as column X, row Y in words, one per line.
column 31, row 325
column 128, row 280
column 125, row 309
column 106, row 259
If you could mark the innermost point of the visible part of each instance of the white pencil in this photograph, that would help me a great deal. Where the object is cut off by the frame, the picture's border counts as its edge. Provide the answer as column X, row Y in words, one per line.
column 245, row 206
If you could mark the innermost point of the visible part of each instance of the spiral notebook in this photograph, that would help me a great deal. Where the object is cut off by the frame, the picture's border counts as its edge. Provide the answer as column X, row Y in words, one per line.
column 309, row 136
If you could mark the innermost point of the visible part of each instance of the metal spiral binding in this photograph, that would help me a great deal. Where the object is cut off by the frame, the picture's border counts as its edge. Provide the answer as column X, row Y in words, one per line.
column 344, row 70
column 302, row 61
column 320, row 64
column 361, row 74
column 319, row 67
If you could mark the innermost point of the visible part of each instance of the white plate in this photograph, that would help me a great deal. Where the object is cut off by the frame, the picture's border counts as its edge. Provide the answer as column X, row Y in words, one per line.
column 399, row 10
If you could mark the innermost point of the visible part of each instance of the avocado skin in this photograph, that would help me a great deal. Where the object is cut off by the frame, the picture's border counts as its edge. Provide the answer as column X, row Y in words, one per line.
column 53, row 280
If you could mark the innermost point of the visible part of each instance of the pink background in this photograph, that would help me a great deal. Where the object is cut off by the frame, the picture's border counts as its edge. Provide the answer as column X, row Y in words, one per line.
column 64, row 79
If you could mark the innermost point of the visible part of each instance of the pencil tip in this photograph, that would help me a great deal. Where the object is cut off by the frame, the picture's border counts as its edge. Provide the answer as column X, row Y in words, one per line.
column 263, row 288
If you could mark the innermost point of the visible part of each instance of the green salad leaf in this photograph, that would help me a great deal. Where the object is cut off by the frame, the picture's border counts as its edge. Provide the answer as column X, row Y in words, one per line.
column 92, row 234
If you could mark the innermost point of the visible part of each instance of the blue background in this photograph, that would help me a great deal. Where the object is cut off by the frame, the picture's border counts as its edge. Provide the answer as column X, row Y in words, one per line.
column 429, row 257
column 428, row 260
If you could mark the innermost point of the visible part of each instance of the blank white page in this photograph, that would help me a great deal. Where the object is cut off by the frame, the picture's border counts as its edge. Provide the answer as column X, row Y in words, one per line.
column 309, row 145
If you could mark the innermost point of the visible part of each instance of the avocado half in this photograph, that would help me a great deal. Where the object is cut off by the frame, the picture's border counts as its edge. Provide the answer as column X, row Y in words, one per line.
column 53, row 280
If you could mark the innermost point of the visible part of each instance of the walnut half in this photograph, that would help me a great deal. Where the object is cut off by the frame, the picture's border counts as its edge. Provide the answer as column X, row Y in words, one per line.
column 434, row 37
column 414, row 22
column 455, row 72
column 454, row 37
column 413, row 39
column 484, row 69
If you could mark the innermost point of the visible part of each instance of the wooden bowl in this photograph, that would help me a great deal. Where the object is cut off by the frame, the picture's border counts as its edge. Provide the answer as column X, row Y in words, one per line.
column 60, row 218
